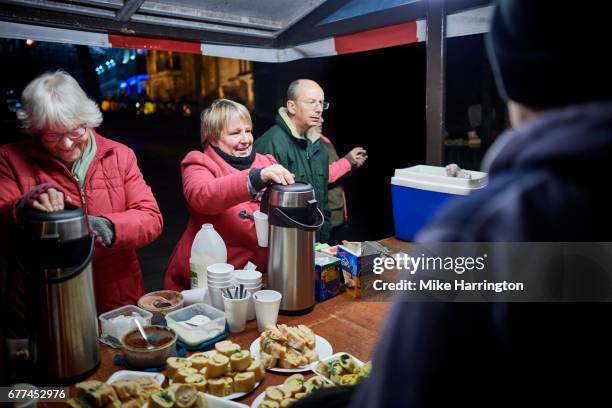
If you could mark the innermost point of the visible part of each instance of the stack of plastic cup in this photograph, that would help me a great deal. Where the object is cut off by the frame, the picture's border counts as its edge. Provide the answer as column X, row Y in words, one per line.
column 219, row 277
column 252, row 283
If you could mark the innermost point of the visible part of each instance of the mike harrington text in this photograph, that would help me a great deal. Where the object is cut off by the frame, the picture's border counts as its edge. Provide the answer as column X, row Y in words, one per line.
column 457, row 285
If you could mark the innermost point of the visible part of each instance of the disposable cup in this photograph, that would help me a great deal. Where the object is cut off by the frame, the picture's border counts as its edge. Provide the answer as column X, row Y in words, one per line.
column 261, row 228
column 220, row 281
column 194, row 296
column 250, row 287
column 219, row 269
column 236, row 312
column 216, row 297
column 251, row 309
column 267, row 303
column 247, row 276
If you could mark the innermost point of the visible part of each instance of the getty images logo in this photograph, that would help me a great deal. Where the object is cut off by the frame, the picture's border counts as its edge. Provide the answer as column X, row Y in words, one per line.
column 459, row 264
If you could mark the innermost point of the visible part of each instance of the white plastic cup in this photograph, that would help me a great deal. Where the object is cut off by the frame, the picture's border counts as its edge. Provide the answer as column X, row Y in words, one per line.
column 192, row 296
column 236, row 312
column 216, row 296
column 267, row 303
column 247, row 276
column 251, row 309
column 219, row 270
column 220, row 281
column 261, row 228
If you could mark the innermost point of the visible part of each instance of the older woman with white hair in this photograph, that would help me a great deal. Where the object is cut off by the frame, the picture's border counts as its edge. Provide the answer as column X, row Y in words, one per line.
column 66, row 161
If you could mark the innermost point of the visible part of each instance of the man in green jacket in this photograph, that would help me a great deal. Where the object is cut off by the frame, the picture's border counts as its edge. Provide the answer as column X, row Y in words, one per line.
column 296, row 144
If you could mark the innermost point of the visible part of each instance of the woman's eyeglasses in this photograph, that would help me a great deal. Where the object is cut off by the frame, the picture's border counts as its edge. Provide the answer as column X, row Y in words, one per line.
column 72, row 134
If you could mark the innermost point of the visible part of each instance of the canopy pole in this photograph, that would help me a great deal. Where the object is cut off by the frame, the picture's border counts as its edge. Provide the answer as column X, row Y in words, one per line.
column 436, row 81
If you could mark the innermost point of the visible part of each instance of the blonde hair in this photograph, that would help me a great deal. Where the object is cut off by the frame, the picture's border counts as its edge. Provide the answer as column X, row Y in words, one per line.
column 55, row 100
column 214, row 119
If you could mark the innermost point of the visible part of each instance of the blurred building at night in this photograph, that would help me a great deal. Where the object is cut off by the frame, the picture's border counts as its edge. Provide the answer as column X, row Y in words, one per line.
column 198, row 79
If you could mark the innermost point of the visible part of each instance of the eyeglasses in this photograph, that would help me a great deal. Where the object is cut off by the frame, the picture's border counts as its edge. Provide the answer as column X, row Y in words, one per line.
column 314, row 102
column 72, row 134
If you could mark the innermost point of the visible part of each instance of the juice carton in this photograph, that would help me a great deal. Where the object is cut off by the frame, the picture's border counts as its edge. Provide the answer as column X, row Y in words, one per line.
column 357, row 261
column 328, row 276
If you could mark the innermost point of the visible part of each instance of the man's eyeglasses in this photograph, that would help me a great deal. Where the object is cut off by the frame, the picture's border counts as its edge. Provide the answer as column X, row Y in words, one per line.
column 314, row 102
column 72, row 134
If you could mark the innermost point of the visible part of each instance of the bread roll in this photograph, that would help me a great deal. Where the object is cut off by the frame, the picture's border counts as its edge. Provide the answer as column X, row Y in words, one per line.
column 133, row 403
column 240, row 360
column 220, row 387
column 268, row 360
column 97, row 393
column 269, row 404
column 294, row 384
column 199, row 360
column 185, row 396
column 198, row 381
column 174, row 363
column 125, row 389
column 217, row 366
column 244, row 382
column 147, row 386
column 274, row 394
column 257, row 369
column 182, row 374
column 226, row 347
column 162, row 399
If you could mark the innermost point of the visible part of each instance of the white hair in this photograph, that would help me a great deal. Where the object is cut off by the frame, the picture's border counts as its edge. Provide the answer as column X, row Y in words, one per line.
column 55, row 100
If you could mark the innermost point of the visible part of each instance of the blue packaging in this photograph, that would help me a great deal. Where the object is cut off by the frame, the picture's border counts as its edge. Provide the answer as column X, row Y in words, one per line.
column 328, row 277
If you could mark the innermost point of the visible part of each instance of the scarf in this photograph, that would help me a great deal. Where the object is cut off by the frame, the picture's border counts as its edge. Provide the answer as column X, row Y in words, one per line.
column 239, row 163
column 80, row 166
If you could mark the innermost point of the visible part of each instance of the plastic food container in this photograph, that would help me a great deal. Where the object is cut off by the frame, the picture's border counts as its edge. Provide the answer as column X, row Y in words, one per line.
column 160, row 303
column 194, row 335
column 117, row 322
column 136, row 353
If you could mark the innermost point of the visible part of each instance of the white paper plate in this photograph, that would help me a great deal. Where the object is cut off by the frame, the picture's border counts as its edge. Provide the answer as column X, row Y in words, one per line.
column 235, row 395
column 336, row 356
column 132, row 375
column 322, row 347
column 217, row 402
column 258, row 400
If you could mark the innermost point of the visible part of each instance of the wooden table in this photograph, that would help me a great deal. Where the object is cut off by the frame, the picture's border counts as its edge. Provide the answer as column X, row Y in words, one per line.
column 350, row 325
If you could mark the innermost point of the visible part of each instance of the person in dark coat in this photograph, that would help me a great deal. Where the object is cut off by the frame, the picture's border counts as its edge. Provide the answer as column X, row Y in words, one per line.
column 548, row 182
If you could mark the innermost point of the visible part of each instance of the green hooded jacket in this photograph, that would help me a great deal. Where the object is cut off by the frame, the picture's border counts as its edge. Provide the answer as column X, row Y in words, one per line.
column 304, row 156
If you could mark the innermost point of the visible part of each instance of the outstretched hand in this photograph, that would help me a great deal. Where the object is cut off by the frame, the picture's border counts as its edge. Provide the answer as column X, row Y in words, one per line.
column 358, row 155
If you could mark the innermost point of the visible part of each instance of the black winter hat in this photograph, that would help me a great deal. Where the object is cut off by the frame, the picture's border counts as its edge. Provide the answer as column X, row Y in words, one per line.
column 548, row 53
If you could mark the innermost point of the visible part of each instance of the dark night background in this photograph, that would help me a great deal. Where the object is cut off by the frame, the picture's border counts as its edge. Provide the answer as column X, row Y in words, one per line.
column 377, row 101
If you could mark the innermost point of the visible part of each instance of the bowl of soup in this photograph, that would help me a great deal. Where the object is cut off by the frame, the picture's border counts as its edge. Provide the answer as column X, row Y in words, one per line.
column 138, row 355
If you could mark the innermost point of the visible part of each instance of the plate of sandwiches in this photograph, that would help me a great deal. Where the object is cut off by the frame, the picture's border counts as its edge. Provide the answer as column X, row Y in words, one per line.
column 287, row 349
column 293, row 389
column 227, row 371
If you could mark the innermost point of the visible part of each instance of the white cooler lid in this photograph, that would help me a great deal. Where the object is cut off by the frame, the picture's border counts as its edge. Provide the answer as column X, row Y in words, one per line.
column 434, row 178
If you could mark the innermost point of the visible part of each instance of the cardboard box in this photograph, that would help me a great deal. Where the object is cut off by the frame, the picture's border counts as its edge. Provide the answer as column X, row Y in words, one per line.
column 357, row 262
column 328, row 277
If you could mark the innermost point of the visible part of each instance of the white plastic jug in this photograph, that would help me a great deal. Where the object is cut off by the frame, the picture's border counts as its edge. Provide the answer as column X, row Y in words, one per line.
column 207, row 248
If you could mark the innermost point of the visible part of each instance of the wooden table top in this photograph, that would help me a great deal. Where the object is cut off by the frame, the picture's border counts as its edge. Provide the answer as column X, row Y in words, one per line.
column 350, row 325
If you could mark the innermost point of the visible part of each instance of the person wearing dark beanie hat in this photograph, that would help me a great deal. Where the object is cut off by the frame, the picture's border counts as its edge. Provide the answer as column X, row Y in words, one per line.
column 548, row 181
column 547, row 54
